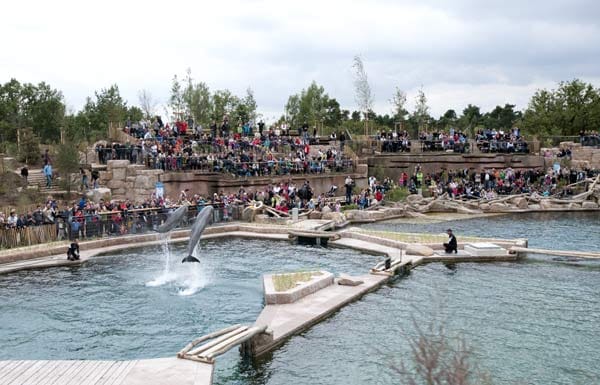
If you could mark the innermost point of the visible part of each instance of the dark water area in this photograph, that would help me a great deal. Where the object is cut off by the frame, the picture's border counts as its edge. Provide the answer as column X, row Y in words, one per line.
column 531, row 322
column 567, row 231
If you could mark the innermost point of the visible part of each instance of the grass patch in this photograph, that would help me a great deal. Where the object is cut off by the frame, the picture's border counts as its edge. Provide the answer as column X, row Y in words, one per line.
column 418, row 237
column 352, row 206
column 283, row 282
column 397, row 194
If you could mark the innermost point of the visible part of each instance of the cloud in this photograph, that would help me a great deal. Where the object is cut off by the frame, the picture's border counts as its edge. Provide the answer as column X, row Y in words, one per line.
column 462, row 52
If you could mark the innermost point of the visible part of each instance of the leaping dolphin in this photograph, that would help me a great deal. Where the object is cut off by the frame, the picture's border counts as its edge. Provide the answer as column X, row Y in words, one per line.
column 173, row 220
column 200, row 223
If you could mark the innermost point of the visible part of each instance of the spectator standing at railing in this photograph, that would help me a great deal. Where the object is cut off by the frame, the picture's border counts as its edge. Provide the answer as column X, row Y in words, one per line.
column 48, row 174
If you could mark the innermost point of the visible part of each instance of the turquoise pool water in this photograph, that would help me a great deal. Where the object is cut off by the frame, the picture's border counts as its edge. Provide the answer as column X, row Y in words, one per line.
column 532, row 322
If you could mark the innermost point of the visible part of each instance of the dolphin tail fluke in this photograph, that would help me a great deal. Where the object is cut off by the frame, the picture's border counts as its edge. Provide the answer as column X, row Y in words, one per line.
column 190, row 258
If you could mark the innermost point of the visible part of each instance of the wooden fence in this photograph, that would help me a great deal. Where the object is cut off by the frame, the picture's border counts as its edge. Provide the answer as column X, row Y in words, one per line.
column 33, row 235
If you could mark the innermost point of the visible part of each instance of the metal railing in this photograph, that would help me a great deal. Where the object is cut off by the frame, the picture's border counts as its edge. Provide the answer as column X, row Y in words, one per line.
column 106, row 224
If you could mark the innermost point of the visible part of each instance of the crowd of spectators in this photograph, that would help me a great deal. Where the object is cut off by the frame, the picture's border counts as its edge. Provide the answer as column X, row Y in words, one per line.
column 244, row 152
column 451, row 140
column 394, row 141
column 489, row 184
column 492, row 140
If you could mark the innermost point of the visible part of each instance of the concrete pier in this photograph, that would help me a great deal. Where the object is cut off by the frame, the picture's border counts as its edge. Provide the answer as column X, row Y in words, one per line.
column 157, row 371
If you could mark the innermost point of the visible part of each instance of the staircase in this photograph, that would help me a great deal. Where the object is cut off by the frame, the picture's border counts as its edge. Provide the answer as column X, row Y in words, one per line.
column 37, row 180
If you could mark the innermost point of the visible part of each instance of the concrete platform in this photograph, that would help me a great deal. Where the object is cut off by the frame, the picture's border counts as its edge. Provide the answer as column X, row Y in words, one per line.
column 288, row 319
column 157, row 371
column 480, row 249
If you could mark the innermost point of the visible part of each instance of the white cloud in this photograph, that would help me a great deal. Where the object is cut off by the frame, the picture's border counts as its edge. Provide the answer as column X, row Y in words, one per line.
column 462, row 52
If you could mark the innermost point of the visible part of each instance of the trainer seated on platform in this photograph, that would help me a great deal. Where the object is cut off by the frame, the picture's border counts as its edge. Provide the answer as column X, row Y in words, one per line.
column 452, row 245
column 73, row 251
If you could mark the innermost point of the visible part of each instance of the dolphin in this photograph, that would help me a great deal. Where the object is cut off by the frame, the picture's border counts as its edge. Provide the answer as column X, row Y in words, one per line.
column 173, row 220
column 202, row 219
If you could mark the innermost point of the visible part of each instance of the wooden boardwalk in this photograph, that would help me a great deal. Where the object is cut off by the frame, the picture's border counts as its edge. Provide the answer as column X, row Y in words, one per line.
column 137, row 372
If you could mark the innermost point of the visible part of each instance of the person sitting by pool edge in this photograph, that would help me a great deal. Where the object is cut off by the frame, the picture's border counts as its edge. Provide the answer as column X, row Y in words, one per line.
column 452, row 245
column 73, row 251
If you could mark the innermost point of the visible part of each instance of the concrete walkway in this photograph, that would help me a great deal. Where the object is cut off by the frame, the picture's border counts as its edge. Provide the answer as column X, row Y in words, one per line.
column 157, row 371
column 61, row 259
column 288, row 319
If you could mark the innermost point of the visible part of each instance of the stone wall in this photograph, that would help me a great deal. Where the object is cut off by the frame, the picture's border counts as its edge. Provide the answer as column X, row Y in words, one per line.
column 394, row 164
column 209, row 183
column 582, row 157
column 132, row 181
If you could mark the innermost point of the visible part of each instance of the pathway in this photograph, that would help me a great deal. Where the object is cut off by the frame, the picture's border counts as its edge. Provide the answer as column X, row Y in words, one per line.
column 156, row 371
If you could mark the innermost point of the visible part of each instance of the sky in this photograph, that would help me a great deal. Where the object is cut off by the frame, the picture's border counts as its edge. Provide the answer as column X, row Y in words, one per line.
column 485, row 53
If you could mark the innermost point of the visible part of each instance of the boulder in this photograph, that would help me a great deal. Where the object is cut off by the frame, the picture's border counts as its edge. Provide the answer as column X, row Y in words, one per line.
column 119, row 173
column 346, row 280
column 99, row 193
column 326, row 210
column 535, row 206
column 521, row 203
column 315, row 215
column 416, row 249
column 115, row 184
column 144, row 182
column 413, row 198
column 115, row 164
column 334, row 216
column 466, row 210
column 589, row 205
column 484, row 206
column 498, row 207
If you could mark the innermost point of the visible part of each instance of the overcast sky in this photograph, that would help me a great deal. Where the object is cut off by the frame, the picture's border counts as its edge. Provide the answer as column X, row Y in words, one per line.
column 462, row 51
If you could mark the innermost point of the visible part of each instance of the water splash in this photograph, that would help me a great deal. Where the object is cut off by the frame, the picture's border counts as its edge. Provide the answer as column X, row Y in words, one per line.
column 166, row 276
column 195, row 276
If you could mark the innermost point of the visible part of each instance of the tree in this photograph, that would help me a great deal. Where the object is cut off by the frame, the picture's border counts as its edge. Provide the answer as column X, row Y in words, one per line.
column 147, row 103
column 67, row 161
column 39, row 107
column 421, row 113
column 107, row 108
column 398, row 102
column 501, row 117
column 447, row 120
column 313, row 106
column 470, row 118
column 572, row 108
column 29, row 146
column 363, row 96
column 176, row 100
column 224, row 103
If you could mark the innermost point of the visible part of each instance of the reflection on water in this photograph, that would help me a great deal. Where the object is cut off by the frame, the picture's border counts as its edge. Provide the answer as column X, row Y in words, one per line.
column 532, row 322
column 104, row 309
column 568, row 231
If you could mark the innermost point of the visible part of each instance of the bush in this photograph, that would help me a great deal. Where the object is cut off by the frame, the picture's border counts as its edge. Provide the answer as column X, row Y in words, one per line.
column 352, row 206
column 397, row 194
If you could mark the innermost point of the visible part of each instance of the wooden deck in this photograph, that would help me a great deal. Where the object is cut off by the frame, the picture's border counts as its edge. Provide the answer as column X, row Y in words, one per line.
column 137, row 372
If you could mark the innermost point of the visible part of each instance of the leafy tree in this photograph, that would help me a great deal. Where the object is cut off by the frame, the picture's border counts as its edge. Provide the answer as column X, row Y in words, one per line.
column 470, row 118
column 224, row 103
column 107, row 108
column 29, row 148
column 176, row 100
column 421, row 113
column 502, row 117
column 313, row 106
column 39, row 107
column 448, row 119
column 356, row 116
column 572, row 108
column 398, row 102
column 363, row 95
column 67, row 162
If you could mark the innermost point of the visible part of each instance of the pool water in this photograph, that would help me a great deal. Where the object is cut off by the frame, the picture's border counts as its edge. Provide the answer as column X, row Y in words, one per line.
column 106, row 308
column 530, row 322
